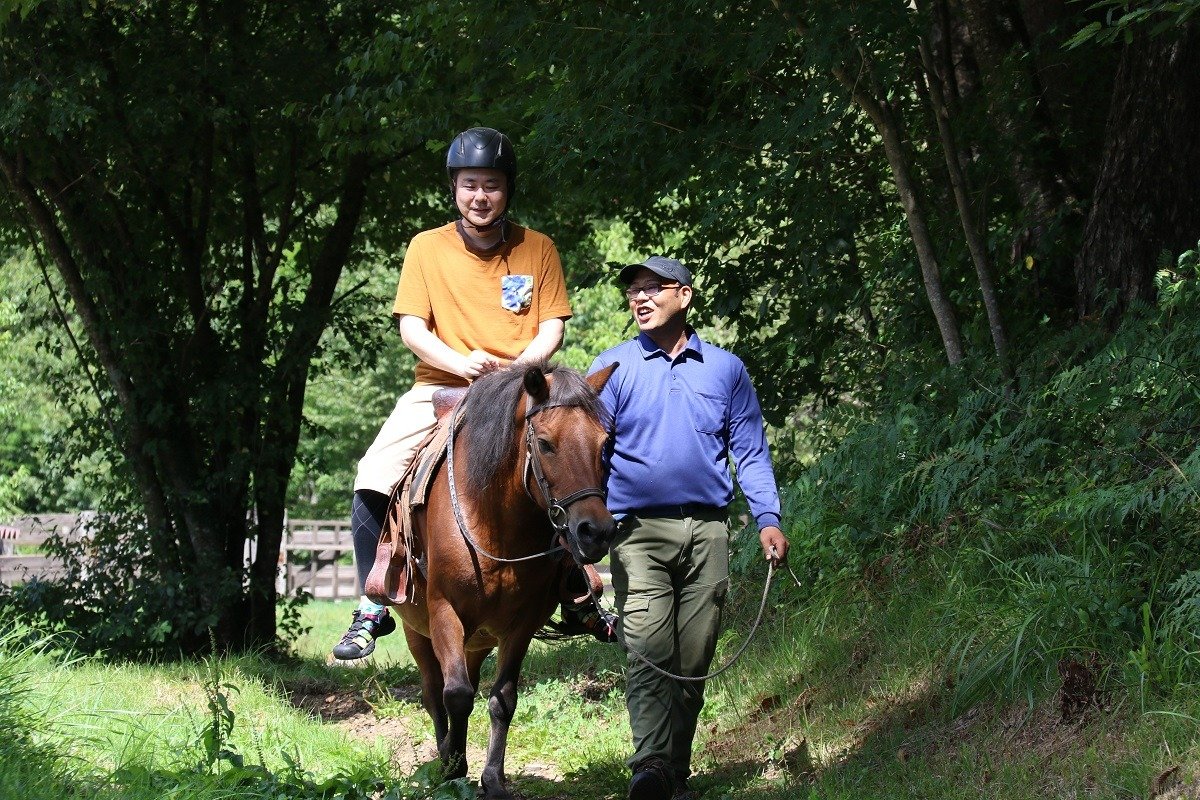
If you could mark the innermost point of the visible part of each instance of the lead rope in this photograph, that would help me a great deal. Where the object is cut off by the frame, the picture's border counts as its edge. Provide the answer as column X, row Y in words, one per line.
column 741, row 650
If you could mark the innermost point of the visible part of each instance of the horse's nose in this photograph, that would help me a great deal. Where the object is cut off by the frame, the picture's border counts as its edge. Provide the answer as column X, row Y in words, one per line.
column 594, row 537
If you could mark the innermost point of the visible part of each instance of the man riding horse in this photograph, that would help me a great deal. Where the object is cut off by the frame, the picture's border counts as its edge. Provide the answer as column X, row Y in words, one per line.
column 474, row 295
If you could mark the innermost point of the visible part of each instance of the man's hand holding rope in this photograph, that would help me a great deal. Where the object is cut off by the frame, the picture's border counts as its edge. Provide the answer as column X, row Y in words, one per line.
column 774, row 544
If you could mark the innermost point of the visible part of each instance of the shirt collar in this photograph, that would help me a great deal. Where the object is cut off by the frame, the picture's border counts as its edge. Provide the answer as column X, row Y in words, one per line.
column 650, row 349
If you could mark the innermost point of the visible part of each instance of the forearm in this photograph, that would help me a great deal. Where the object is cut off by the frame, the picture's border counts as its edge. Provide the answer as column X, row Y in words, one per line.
column 545, row 344
column 756, row 477
column 430, row 349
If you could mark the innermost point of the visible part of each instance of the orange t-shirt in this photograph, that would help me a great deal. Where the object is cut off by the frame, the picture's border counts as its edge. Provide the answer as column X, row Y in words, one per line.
column 463, row 295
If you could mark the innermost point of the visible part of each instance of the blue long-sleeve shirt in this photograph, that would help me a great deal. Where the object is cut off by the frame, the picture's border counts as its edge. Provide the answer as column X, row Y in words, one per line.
column 677, row 422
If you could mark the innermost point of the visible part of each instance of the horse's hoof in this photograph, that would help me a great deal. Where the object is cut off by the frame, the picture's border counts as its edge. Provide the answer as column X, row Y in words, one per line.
column 493, row 789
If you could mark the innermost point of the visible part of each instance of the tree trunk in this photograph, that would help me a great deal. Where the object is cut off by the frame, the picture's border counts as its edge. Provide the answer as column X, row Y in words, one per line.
column 971, row 226
column 893, row 147
column 1147, row 198
column 1041, row 173
column 1033, row 149
column 283, row 417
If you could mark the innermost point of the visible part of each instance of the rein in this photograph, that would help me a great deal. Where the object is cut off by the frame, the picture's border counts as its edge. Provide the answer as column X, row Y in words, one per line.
column 736, row 656
column 556, row 510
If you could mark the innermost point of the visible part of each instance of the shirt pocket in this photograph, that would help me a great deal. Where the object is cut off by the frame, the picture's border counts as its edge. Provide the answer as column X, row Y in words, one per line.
column 516, row 292
column 708, row 413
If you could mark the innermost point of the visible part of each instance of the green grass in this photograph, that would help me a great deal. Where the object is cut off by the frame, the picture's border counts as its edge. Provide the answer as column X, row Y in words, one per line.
column 841, row 699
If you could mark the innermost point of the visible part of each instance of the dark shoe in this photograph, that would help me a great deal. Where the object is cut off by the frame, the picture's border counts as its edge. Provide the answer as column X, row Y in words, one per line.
column 585, row 620
column 359, row 640
column 652, row 780
column 682, row 792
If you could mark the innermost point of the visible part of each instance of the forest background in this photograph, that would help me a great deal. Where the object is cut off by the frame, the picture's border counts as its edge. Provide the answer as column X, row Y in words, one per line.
column 955, row 242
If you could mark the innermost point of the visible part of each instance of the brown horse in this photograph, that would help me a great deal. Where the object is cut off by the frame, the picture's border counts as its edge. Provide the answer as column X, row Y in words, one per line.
column 528, row 481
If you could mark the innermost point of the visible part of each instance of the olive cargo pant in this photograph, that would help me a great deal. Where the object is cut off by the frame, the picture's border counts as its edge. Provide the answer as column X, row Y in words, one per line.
column 670, row 576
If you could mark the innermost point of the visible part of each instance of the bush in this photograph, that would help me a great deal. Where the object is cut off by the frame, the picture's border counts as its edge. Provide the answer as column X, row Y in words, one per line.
column 122, row 597
column 1064, row 510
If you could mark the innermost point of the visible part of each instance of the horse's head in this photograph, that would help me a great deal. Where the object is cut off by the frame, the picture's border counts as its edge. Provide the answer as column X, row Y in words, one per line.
column 564, row 439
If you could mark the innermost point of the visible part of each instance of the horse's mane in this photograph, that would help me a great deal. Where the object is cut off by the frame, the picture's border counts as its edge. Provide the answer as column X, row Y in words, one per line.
column 491, row 423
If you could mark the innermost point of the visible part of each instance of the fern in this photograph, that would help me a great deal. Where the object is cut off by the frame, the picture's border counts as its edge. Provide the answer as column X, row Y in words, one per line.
column 1051, row 504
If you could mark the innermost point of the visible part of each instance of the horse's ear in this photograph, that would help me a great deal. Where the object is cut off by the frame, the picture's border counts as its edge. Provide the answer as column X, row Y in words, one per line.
column 597, row 379
column 536, row 385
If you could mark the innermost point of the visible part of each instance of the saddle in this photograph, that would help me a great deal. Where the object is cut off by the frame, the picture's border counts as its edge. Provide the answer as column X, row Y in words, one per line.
column 398, row 552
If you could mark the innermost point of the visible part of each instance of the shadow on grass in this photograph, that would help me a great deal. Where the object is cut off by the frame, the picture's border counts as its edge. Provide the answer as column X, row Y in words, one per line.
column 333, row 693
column 609, row 780
column 745, row 757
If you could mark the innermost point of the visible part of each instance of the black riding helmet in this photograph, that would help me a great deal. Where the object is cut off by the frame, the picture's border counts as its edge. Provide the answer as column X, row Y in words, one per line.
column 483, row 148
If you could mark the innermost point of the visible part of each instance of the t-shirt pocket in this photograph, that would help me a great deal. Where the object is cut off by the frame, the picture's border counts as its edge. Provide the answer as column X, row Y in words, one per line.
column 516, row 292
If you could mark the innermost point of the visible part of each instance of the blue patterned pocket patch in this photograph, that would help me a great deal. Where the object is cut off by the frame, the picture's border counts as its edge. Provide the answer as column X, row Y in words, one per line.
column 516, row 292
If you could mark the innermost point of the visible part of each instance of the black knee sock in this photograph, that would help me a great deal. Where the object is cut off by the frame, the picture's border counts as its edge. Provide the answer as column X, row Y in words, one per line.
column 367, row 511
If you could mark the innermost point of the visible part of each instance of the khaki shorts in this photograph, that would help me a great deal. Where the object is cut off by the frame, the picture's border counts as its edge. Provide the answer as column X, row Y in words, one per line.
column 388, row 456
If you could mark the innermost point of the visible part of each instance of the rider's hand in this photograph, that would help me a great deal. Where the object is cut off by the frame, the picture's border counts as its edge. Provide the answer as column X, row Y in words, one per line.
column 772, row 538
column 480, row 362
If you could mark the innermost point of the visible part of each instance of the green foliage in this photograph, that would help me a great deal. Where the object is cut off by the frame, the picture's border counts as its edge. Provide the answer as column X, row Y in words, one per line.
column 119, row 595
column 750, row 160
column 1122, row 19
column 734, row 158
column 40, row 468
column 1065, row 510
column 230, row 195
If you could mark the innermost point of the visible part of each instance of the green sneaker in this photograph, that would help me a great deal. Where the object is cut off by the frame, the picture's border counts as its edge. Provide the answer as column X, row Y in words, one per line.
column 359, row 640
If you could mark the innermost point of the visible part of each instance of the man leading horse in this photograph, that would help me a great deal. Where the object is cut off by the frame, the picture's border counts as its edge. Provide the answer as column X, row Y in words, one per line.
column 682, row 408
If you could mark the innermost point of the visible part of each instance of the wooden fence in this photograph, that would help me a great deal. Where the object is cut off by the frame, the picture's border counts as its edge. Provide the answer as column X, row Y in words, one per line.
column 316, row 556
column 21, row 556
column 312, row 557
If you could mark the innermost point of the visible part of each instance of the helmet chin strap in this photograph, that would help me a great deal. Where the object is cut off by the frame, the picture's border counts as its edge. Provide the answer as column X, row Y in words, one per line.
column 496, row 223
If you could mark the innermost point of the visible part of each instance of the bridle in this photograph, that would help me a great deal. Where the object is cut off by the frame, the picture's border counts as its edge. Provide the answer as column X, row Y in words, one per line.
column 556, row 509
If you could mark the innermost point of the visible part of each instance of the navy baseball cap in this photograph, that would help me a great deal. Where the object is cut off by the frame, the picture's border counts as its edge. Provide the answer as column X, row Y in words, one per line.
column 662, row 266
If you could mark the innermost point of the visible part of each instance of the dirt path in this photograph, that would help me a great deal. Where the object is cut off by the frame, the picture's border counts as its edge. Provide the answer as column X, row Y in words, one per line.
column 349, row 711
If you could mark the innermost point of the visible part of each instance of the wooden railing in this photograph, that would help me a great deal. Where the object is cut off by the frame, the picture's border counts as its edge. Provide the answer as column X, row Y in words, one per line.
column 316, row 556
column 312, row 558
column 21, row 541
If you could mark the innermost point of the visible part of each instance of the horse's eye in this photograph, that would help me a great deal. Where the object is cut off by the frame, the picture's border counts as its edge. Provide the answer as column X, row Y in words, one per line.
column 545, row 447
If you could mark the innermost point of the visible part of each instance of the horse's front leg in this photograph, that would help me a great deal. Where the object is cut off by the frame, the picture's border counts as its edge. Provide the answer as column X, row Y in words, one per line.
column 431, row 681
column 458, row 690
column 502, row 705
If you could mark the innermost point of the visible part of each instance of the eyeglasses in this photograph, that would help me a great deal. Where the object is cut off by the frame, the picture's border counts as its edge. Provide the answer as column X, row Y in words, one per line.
column 650, row 290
